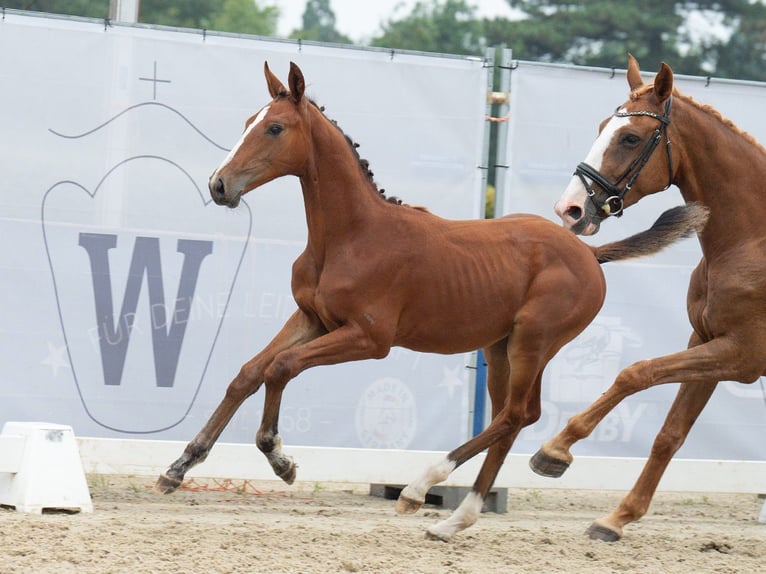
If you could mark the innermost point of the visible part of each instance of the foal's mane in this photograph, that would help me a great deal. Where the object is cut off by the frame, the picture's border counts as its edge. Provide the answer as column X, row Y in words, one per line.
column 363, row 163
column 707, row 108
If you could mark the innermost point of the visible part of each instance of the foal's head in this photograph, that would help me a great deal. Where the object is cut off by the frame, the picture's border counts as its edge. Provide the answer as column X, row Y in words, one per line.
column 274, row 143
column 630, row 158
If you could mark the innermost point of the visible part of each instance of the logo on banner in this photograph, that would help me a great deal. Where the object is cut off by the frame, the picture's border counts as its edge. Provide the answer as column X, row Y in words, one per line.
column 142, row 273
column 386, row 416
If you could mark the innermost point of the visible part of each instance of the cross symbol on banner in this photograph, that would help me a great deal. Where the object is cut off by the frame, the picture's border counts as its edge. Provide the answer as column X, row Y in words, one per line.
column 155, row 81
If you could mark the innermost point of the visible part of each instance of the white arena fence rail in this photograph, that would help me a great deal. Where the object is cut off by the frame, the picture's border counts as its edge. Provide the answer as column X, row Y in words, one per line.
column 384, row 466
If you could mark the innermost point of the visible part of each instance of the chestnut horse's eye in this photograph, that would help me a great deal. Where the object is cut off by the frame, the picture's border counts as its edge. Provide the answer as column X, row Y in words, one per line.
column 275, row 129
column 630, row 140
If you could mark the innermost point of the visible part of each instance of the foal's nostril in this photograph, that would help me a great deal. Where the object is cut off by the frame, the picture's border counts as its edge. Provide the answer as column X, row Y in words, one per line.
column 574, row 212
column 217, row 188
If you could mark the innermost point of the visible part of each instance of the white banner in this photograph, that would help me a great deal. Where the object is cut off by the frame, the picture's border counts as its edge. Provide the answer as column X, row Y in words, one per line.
column 555, row 114
column 130, row 301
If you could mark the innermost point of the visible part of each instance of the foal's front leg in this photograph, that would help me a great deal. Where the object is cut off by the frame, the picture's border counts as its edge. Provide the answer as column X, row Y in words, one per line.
column 347, row 343
column 298, row 329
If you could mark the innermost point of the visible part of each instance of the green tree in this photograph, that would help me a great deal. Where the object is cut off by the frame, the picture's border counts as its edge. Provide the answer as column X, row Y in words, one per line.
column 592, row 32
column 602, row 32
column 743, row 54
column 319, row 24
column 241, row 16
column 87, row 8
column 448, row 27
column 244, row 17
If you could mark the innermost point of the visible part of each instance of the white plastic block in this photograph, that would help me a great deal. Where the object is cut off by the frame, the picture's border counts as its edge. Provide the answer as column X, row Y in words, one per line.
column 11, row 452
column 49, row 473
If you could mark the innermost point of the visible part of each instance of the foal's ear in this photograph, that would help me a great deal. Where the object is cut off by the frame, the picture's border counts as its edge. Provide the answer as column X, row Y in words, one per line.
column 275, row 86
column 634, row 73
column 663, row 83
column 297, row 84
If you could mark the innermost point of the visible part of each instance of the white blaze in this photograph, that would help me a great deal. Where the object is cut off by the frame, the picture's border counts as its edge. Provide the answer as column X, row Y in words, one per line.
column 258, row 119
column 575, row 192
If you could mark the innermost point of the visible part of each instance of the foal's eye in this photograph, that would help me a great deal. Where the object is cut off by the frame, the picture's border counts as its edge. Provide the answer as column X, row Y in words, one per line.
column 630, row 140
column 275, row 129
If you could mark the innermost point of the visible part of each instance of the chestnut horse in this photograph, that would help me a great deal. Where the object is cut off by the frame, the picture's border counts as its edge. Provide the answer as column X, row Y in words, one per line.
column 376, row 274
column 717, row 165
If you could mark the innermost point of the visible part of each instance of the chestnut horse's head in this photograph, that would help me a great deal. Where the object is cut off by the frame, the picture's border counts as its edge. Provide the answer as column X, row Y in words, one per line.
column 622, row 167
column 274, row 142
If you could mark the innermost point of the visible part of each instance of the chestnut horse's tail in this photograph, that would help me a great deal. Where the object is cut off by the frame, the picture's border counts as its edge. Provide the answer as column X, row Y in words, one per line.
column 674, row 224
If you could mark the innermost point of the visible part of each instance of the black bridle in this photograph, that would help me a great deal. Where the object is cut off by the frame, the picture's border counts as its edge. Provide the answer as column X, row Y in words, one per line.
column 614, row 203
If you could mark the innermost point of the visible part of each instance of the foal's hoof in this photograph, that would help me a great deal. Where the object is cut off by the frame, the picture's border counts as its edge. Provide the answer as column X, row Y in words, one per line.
column 433, row 533
column 166, row 484
column 289, row 473
column 598, row 531
column 545, row 465
column 406, row 505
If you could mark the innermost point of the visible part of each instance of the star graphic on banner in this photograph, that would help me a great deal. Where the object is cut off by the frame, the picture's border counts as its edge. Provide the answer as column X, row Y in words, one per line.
column 451, row 379
column 56, row 359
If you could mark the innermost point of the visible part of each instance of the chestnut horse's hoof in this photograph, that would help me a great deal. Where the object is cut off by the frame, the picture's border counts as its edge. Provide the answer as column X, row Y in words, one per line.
column 166, row 484
column 604, row 533
column 545, row 465
column 406, row 505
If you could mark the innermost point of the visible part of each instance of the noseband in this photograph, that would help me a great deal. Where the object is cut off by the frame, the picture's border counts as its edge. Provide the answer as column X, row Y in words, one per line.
column 614, row 203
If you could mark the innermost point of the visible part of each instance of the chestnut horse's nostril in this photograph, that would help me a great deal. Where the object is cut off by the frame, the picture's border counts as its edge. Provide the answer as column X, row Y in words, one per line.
column 217, row 189
column 574, row 212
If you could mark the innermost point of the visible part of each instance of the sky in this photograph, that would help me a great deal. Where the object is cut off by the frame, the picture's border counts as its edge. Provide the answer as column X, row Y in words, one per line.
column 360, row 19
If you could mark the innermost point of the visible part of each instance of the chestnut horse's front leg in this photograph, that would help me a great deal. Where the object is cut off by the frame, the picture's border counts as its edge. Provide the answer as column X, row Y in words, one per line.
column 298, row 329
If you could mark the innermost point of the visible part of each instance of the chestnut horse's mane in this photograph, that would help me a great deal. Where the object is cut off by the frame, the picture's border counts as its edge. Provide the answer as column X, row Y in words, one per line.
column 363, row 163
column 638, row 92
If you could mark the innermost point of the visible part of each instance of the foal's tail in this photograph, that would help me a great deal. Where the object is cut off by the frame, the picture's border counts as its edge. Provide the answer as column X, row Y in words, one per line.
column 674, row 224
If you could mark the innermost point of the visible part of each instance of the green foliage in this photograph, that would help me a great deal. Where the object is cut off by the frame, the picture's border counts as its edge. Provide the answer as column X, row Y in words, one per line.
column 244, row 16
column 584, row 32
column 448, row 27
column 593, row 32
column 241, row 16
column 602, row 32
column 319, row 24
column 87, row 8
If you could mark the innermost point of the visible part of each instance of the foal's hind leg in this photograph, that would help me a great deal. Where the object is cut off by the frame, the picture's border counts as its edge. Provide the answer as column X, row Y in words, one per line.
column 470, row 508
column 298, row 329
column 413, row 495
column 689, row 402
column 515, row 404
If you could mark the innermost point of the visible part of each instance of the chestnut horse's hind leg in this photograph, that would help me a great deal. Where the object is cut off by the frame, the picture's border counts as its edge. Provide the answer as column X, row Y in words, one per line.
column 689, row 402
column 700, row 367
column 715, row 360
column 298, row 329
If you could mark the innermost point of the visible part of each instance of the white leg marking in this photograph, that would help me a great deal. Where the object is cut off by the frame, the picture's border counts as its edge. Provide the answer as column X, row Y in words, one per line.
column 258, row 119
column 463, row 517
column 575, row 192
column 278, row 459
column 433, row 475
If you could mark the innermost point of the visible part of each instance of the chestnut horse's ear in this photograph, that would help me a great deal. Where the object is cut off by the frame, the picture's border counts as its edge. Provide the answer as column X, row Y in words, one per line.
column 296, row 82
column 634, row 73
column 663, row 83
column 275, row 86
